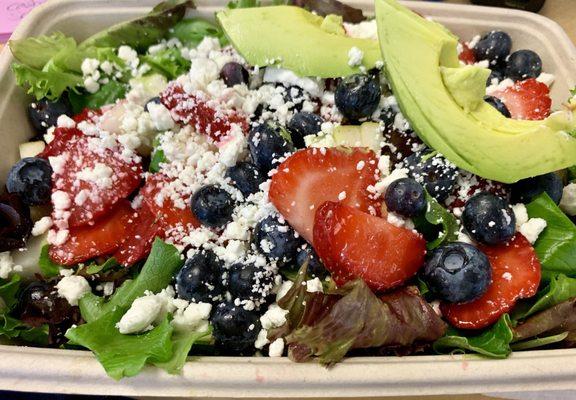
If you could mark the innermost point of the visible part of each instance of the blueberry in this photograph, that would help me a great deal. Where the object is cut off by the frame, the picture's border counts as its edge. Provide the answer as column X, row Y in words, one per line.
column 233, row 73
column 498, row 104
column 267, row 143
column 357, row 96
column 494, row 47
column 315, row 266
column 212, row 206
column 15, row 223
column 457, row 272
column 406, row 197
column 44, row 113
column 523, row 64
column 434, row 172
column 489, row 219
column 200, row 279
column 245, row 177
column 249, row 281
column 526, row 190
column 303, row 124
column 276, row 240
column 235, row 329
column 31, row 179
column 495, row 74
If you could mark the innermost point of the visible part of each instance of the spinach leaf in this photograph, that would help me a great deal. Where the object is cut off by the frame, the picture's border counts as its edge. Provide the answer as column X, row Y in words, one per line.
column 556, row 246
column 107, row 94
column 560, row 288
column 192, row 31
column 158, row 156
column 162, row 263
column 8, row 291
column 95, row 268
column 143, row 32
column 494, row 342
column 48, row 268
column 123, row 355
column 435, row 216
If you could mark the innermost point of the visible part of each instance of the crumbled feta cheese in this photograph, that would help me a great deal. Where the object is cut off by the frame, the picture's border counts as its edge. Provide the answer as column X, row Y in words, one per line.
column 61, row 200
column 194, row 316
column 283, row 289
column 58, row 163
column 140, row 315
column 464, row 238
column 547, row 79
column 355, row 56
column 72, row 288
column 262, row 339
column 65, row 121
column 7, row 265
column 520, row 214
column 89, row 66
column 503, row 85
column 100, row 174
column 276, row 348
column 568, row 201
column 314, row 285
column 91, row 85
column 128, row 55
column 533, row 228
column 108, row 288
column 42, row 226
column 342, row 195
column 287, row 77
column 161, row 117
column 363, row 30
column 274, row 317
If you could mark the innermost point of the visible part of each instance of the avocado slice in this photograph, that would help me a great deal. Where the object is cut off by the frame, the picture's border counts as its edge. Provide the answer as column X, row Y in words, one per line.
column 293, row 38
column 443, row 102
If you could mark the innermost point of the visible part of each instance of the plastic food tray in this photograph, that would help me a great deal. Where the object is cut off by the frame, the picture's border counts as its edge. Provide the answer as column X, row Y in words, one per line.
column 68, row 371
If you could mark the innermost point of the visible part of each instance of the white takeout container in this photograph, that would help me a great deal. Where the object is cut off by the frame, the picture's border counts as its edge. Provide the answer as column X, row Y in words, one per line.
column 69, row 371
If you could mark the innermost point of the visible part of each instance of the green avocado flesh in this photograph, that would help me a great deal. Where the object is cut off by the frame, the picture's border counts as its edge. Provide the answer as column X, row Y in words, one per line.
column 442, row 100
column 295, row 39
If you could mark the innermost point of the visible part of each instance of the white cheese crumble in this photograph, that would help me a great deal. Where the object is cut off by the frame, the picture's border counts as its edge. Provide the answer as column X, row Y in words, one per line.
column 262, row 339
column 274, row 317
column 314, row 286
column 65, row 121
column 140, row 315
column 532, row 229
column 363, row 30
column 287, row 77
column 194, row 316
column 72, row 288
column 160, row 116
column 7, row 265
column 355, row 56
column 276, row 348
column 42, row 226
column 547, row 79
column 568, row 201
column 100, row 174
column 521, row 214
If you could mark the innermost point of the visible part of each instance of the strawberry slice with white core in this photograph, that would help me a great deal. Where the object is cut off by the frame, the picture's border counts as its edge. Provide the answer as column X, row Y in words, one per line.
column 528, row 99
column 353, row 244
column 207, row 116
column 310, row 177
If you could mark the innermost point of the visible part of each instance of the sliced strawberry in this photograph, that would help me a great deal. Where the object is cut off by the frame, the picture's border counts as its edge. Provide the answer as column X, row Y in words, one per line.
column 139, row 236
column 206, row 115
column 102, row 238
column 353, row 244
column 515, row 275
column 64, row 139
column 95, row 178
column 528, row 99
column 87, row 115
column 312, row 176
column 466, row 55
column 158, row 216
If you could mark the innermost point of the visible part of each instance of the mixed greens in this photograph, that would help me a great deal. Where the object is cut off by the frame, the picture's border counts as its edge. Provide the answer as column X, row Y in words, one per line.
column 201, row 203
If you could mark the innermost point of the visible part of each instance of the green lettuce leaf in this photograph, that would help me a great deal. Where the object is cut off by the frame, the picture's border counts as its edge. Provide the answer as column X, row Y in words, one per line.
column 168, row 62
column 8, row 291
column 327, row 326
column 191, row 31
column 107, row 94
column 48, row 82
column 162, row 263
column 48, row 268
column 158, row 156
column 437, row 216
column 95, row 268
column 123, row 355
column 540, row 342
column 143, row 32
column 182, row 342
column 560, row 289
column 556, row 246
column 35, row 52
column 493, row 342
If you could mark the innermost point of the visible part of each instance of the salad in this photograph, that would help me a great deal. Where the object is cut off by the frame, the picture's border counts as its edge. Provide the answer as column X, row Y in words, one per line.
column 290, row 179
